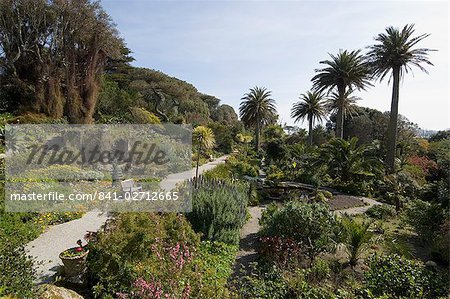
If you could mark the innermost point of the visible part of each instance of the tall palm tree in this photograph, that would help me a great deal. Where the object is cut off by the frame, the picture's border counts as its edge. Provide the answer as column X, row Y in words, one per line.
column 310, row 107
column 395, row 53
column 345, row 72
column 348, row 104
column 203, row 138
column 256, row 110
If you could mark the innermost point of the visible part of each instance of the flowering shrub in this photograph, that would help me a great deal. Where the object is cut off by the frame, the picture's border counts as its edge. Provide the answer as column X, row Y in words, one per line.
column 138, row 247
column 146, row 255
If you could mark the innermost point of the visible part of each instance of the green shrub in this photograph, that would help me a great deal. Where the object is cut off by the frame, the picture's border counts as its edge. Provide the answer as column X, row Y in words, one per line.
column 17, row 274
column 310, row 224
column 215, row 261
column 426, row 218
column 220, row 172
column 440, row 248
column 241, row 169
column 219, row 210
column 35, row 118
column 309, row 283
column 381, row 212
column 264, row 284
column 399, row 277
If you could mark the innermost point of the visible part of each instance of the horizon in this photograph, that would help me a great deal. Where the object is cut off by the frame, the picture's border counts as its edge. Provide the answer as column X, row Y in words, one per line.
column 267, row 44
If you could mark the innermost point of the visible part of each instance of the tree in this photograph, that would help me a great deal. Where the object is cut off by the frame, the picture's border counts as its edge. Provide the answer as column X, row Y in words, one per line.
column 345, row 72
column 395, row 54
column 53, row 54
column 311, row 107
column 257, row 110
column 348, row 105
column 225, row 114
column 203, row 138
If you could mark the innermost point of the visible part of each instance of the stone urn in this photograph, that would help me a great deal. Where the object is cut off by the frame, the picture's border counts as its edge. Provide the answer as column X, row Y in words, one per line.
column 74, row 260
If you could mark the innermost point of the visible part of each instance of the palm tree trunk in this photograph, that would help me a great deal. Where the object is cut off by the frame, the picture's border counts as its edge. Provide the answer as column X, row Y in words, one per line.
column 393, row 116
column 340, row 114
column 310, row 133
column 258, row 132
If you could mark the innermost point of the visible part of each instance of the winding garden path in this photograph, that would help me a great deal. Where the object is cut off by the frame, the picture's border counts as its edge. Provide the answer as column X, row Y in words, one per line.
column 46, row 248
column 248, row 244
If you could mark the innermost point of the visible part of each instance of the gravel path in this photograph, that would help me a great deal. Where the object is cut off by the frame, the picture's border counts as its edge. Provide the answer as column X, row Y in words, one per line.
column 46, row 248
column 359, row 210
column 248, row 244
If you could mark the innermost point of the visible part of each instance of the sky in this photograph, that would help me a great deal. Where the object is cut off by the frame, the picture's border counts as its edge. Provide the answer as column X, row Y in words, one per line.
column 224, row 48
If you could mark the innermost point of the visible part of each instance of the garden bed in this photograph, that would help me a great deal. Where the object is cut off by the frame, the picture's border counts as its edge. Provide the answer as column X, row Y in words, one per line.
column 342, row 202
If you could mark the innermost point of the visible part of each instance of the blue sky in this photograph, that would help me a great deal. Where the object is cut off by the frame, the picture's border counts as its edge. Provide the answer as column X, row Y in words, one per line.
column 225, row 47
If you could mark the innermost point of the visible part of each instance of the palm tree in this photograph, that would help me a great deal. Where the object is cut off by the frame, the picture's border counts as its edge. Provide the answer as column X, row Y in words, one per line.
column 349, row 106
column 256, row 110
column 356, row 238
column 395, row 53
column 310, row 107
column 347, row 161
column 203, row 138
column 345, row 72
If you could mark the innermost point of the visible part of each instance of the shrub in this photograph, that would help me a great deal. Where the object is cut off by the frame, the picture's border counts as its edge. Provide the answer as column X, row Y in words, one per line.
column 381, row 212
column 35, row 118
column 214, row 261
column 311, row 225
column 141, row 251
column 264, row 283
column 426, row 218
column 219, row 210
column 425, row 163
column 17, row 274
column 440, row 249
column 142, row 116
column 241, row 169
column 285, row 253
column 220, row 172
column 399, row 277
